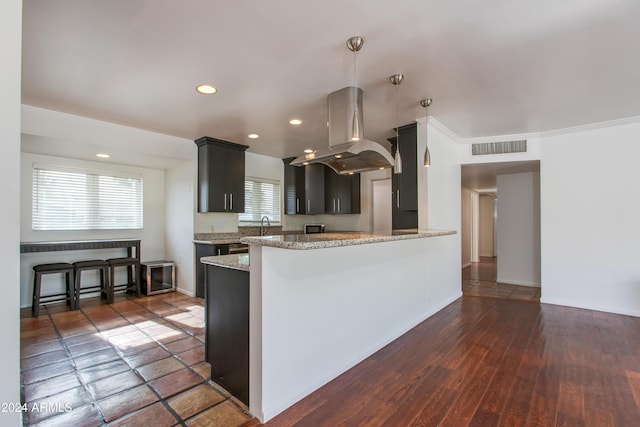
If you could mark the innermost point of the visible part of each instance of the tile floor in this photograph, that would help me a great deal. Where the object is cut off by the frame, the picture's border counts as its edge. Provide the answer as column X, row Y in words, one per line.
column 136, row 362
column 480, row 280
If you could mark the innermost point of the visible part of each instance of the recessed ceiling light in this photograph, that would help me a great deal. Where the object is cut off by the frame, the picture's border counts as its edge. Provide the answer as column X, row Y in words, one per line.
column 295, row 121
column 206, row 89
column 338, row 156
column 308, row 151
column 253, row 135
column 305, row 163
column 103, row 155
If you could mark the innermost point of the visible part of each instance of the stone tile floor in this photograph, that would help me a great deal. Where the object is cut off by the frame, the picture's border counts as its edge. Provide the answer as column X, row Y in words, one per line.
column 136, row 362
column 479, row 280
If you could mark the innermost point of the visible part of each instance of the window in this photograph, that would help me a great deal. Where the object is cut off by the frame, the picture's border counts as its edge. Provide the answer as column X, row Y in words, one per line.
column 261, row 197
column 75, row 199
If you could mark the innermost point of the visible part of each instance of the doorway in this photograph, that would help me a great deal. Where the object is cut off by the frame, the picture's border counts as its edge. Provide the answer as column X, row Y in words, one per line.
column 500, row 227
column 382, row 216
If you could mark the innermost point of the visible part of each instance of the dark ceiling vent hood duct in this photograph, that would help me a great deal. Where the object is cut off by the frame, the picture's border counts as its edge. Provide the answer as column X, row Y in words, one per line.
column 344, row 154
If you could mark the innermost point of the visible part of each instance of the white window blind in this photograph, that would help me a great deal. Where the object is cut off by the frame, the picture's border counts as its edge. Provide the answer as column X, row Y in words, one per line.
column 85, row 200
column 261, row 197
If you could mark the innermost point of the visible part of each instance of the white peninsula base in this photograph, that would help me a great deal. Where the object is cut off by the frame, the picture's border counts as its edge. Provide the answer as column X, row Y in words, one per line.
column 316, row 313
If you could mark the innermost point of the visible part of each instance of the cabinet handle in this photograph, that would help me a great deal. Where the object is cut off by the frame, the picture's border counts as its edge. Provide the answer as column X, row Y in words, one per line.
column 398, row 198
column 334, row 205
column 218, row 252
column 230, row 201
column 338, row 205
column 225, row 201
column 297, row 205
column 308, row 206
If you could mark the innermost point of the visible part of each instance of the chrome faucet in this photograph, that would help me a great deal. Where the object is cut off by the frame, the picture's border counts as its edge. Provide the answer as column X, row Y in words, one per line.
column 262, row 229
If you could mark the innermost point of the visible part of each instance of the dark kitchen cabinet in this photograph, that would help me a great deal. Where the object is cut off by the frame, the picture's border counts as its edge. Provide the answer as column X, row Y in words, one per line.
column 342, row 193
column 220, row 175
column 227, row 329
column 304, row 188
column 202, row 250
column 294, row 176
column 405, row 184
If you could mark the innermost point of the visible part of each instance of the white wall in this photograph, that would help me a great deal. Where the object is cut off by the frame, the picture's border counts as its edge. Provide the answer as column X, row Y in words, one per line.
column 519, row 228
column 10, row 37
column 465, row 226
column 179, row 197
column 443, row 198
column 590, row 210
column 485, row 244
column 443, row 182
column 152, row 235
column 382, row 208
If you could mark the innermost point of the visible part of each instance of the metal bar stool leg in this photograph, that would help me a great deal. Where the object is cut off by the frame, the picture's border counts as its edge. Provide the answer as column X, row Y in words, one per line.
column 35, row 304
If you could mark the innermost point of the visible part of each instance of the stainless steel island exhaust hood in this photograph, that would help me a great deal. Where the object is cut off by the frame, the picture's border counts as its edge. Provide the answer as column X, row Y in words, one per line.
column 347, row 154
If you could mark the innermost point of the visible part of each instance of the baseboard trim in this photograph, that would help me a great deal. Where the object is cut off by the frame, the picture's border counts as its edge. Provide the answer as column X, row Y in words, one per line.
column 518, row 282
column 185, row 292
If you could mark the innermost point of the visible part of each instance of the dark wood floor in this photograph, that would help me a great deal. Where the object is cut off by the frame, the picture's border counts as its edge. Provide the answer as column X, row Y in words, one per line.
column 491, row 362
column 480, row 280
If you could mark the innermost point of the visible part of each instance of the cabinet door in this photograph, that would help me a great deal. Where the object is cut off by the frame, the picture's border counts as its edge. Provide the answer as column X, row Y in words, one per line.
column 227, row 329
column 342, row 193
column 405, row 185
column 220, row 175
column 234, row 180
column 314, row 189
column 202, row 250
column 407, row 197
column 207, row 202
column 294, row 177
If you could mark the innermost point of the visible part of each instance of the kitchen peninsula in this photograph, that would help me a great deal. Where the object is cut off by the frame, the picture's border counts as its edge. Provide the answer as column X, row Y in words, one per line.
column 319, row 304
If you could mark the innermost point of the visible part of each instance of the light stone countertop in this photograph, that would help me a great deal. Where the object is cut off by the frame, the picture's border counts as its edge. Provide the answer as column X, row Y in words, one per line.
column 219, row 241
column 331, row 240
column 233, row 261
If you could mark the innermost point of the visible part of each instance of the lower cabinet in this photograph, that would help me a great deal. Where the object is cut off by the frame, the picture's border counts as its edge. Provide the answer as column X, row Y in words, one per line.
column 205, row 249
column 227, row 329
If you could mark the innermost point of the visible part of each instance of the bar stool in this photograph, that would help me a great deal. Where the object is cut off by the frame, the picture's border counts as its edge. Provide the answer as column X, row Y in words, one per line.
column 133, row 273
column 69, row 295
column 103, row 269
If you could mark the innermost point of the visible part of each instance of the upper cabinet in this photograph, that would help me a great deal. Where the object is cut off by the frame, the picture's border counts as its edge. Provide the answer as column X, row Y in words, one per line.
column 293, row 188
column 405, row 184
column 316, row 189
column 304, row 188
column 342, row 193
column 220, row 175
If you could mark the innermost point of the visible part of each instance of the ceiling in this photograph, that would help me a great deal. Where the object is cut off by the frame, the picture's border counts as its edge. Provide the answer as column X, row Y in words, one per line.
column 492, row 67
column 482, row 177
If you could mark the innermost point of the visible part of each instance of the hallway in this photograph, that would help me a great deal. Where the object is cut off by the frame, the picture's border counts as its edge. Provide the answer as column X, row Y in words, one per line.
column 480, row 280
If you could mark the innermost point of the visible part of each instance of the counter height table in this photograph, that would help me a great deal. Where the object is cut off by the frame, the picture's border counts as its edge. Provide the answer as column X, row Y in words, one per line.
column 132, row 247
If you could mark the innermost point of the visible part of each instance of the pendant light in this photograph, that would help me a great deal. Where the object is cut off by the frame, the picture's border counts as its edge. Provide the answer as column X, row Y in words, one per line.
column 355, row 44
column 427, row 156
column 395, row 80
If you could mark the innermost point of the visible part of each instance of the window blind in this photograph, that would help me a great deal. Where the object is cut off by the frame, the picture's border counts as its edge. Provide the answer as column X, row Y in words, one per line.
column 261, row 197
column 85, row 200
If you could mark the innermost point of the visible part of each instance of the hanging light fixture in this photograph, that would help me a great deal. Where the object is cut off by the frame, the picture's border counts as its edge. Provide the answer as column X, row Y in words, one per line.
column 355, row 44
column 395, row 80
column 427, row 156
